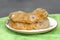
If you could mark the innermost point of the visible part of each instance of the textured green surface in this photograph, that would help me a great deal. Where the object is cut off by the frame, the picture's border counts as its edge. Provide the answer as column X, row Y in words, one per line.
column 6, row 34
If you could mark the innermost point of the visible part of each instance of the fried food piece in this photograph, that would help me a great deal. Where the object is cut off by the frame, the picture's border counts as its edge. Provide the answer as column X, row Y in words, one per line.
column 41, row 12
column 43, row 24
column 18, row 16
column 19, row 26
column 32, row 26
column 29, row 17
column 37, row 15
column 23, row 17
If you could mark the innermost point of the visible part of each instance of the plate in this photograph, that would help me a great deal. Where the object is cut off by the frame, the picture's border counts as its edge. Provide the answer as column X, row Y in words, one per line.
column 53, row 24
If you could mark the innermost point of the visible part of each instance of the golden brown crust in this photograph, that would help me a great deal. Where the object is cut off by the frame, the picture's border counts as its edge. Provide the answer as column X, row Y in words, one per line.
column 41, row 12
column 29, row 20
column 32, row 26
column 17, row 16
column 31, row 17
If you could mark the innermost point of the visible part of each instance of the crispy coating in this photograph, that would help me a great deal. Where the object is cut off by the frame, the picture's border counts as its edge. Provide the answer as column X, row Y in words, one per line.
column 34, row 20
column 43, row 24
column 29, row 17
column 41, row 12
column 17, row 16
column 32, row 26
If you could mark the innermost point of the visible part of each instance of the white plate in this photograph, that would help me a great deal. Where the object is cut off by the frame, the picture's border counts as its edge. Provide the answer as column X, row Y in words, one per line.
column 53, row 24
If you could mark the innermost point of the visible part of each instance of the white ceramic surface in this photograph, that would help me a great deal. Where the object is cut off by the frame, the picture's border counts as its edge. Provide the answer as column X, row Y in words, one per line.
column 53, row 24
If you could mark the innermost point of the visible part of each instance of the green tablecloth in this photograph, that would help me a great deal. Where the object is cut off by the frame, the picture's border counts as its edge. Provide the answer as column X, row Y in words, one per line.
column 6, row 34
